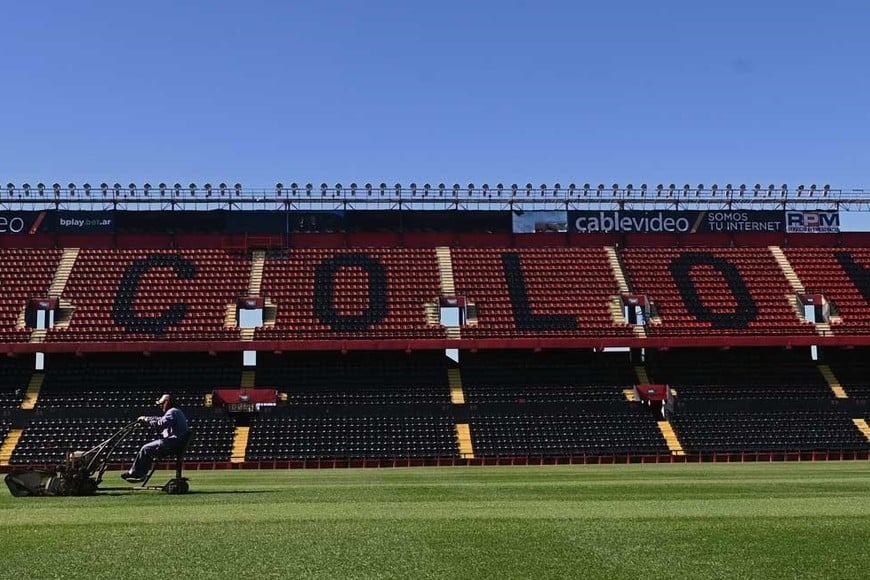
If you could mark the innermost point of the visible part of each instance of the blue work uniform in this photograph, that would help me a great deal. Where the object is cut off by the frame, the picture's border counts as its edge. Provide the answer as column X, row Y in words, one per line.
column 174, row 429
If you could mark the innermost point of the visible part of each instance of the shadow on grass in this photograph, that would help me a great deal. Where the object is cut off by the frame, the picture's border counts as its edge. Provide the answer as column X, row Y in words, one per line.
column 132, row 491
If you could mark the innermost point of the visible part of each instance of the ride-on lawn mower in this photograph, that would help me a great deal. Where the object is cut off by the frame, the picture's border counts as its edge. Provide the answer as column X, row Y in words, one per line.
column 82, row 471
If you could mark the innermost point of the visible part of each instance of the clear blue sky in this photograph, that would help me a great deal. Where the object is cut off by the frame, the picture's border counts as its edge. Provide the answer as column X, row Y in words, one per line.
column 511, row 91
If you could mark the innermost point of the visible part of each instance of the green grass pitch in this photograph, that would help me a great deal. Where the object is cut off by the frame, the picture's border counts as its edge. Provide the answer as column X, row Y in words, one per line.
column 782, row 520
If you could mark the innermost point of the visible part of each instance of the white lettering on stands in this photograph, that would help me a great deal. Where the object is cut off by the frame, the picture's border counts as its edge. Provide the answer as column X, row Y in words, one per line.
column 725, row 226
column 77, row 223
column 11, row 226
column 614, row 222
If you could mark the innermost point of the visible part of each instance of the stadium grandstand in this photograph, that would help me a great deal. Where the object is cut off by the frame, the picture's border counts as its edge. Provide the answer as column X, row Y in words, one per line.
column 391, row 325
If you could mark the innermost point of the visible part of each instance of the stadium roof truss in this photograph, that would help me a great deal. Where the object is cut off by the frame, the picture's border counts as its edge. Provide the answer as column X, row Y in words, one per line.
column 398, row 197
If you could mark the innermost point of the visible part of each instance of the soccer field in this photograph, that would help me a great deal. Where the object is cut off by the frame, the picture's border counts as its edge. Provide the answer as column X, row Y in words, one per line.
column 784, row 520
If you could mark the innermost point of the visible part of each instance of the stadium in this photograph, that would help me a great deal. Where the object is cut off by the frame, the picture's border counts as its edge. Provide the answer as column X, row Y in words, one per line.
column 577, row 328
column 410, row 290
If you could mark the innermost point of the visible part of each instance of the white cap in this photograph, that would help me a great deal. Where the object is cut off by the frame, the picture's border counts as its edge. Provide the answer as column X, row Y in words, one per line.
column 163, row 399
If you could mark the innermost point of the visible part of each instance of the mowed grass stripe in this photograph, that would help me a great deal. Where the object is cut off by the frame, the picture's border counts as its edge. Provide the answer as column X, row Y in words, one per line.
column 663, row 521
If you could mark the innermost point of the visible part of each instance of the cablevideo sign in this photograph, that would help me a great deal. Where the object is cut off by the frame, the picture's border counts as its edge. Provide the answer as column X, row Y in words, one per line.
column 675, row 222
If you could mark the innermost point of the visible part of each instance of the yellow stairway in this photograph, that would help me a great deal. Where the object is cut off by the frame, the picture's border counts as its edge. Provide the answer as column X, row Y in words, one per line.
column 463, row 435
column 9, row 445
column 240, row 444
column 248, row 379
column 862, row 425
column 831, row 379
column 454, row 379
column 32, row 393
column 671, row 438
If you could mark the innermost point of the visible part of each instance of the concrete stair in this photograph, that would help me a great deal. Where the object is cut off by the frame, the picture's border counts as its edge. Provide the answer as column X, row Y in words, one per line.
column 31, row 395
column 433, row 314
column 453, row 332
column 8, row 445
column 454, row 380
column 445, row 270
column 796, row 306
column 822, row 328
column 231, row 316
column 463, row 436
column 617, row 315
column 258, row 264
column 862, row 426
column 240, row 444
column 833, row 382
column 64, row 267
column 616, row 268
column 787, row 270
column 65, row 308
column 21, row 321
column 671, row 439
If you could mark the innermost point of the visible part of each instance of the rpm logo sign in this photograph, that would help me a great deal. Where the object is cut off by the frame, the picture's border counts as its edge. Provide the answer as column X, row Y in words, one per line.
column 826, row 222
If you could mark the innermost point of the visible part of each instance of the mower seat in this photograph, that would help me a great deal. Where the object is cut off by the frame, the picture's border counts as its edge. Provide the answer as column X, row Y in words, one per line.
column 179, row 483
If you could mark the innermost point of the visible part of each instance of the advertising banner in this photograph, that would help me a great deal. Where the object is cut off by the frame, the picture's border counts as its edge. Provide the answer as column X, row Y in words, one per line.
column 22, row 222
column 812, row 222
column 675, row 222
column 452, row 220
column 409, row 220
column 174, row 221
column 83, row 222
column 329, row 221
column 256, row 222
column 532, row 222
column 741, row 221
